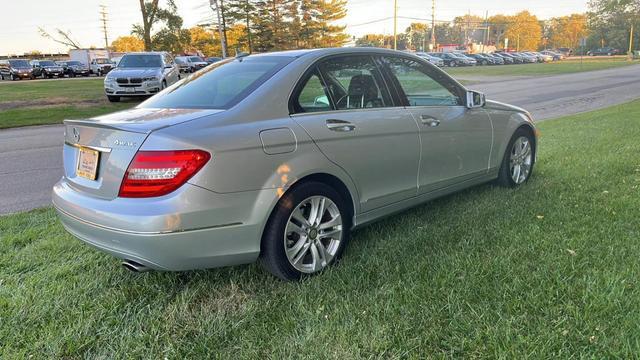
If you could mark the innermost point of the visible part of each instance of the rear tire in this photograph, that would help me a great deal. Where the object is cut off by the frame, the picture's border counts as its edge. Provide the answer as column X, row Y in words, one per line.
column 296, row 241
column 518, row 160
column 113, row 99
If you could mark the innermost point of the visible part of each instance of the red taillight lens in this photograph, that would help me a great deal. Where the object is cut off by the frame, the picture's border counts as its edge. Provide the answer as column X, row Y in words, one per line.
column 157, row 173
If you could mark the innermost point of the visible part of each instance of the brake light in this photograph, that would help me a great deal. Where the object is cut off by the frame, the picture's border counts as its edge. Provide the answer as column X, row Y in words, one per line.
column 157, row 173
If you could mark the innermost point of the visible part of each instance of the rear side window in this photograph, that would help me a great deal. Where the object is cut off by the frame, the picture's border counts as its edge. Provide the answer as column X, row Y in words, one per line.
column 219, row 86
column 312, row 96
column 354, row 82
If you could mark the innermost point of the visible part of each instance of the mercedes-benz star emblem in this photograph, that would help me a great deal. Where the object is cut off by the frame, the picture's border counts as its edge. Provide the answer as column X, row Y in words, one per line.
column 76, row 134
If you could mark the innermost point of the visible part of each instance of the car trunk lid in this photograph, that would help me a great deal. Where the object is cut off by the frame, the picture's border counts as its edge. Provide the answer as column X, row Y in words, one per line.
column 114, row 139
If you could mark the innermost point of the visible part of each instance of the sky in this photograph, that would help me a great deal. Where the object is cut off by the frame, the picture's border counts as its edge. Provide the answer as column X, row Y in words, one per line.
column 20, row 21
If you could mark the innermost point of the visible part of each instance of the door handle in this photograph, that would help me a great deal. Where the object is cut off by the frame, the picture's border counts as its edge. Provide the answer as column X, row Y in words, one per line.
column 340, row 125
column 429, row 120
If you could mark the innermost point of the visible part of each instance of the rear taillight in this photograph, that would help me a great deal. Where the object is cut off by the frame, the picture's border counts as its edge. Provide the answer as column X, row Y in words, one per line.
column 157, row 173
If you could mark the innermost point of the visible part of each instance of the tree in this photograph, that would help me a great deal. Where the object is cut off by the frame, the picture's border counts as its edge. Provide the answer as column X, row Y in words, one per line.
column 149, row 9
column 524, row 31
column 499, row 24
column 418, row 34
column 464, row 27
column 567, row 31
column 127, row 44
column 371, row 40
column 63, row 37
column 610, row 22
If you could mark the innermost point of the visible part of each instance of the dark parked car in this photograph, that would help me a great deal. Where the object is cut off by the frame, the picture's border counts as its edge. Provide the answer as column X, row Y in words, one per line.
column 605, row 51
column 499, row 60
column 74, row 68
column 15, row 69
column 46, row 69
column 453, row 60
column 482, row 59
column 508, row 60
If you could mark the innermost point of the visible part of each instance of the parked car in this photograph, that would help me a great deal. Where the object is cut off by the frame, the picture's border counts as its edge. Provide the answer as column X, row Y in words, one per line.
column 482, row 59
column 46, row 69
column 74, row 68
column 554, row 55
column 183, row 65
column 508, row 60
column 15, row 69
column 527, row 58
column 565, row 51
column 227, row 168
column 469, row 60
column 498, row 60
column 517, row 59
column 452, row 60
column 605, row 51
column 191, row 63
column 141, row 74
column 432, row 59
column 101, row 66
column 213, row 59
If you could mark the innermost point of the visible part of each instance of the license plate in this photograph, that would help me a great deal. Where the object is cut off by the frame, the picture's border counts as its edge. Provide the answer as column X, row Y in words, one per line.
column 130, row 90
column 88, row 163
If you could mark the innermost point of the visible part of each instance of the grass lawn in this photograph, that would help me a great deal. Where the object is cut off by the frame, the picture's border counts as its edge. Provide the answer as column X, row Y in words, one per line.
column 572, row 65
column 26, row 102
column 549, row 270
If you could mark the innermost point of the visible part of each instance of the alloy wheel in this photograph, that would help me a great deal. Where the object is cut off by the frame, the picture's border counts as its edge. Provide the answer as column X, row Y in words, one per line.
column 313, row 234
column 521, row 160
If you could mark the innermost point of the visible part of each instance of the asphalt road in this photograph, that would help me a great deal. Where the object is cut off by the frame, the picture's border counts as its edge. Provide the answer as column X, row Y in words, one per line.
column 31, row 161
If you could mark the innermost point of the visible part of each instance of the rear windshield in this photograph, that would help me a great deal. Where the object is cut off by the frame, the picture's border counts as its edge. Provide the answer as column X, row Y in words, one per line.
column 221, row 85
column 141, row 61
column 19, row 63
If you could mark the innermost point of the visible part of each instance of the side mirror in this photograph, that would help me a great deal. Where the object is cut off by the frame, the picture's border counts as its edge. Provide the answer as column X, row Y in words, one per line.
column 475, row 99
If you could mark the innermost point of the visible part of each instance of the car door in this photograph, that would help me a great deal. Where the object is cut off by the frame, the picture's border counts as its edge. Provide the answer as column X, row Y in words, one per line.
column 345, row 106
column 456, row 141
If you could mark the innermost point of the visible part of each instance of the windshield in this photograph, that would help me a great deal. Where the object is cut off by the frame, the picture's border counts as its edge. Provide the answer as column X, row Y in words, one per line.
column 19, row 63
column 76, row 63
column 221, row 85
column 47, row 63
column 195, row 59
column 180, row 61
column 141, row 61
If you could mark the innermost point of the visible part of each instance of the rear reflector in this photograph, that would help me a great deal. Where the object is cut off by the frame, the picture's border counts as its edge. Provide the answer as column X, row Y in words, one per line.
column 157, row 173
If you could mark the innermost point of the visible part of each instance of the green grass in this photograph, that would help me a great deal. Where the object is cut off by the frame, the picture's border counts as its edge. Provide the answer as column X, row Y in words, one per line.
column 27, row 103
column 549, row 270
column 572, row 65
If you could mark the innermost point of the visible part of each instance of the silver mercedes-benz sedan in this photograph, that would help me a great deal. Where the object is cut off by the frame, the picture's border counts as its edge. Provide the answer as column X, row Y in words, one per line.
column 279, row 156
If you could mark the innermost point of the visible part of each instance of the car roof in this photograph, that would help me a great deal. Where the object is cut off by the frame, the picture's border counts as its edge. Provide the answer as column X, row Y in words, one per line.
column 332, row 51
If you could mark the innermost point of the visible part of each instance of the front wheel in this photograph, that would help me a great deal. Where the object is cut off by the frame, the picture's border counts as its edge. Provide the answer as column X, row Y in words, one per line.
column 306, row 233
column 518, row 160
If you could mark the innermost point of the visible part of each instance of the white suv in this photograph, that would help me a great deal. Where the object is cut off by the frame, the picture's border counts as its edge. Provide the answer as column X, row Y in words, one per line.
column 141, row 74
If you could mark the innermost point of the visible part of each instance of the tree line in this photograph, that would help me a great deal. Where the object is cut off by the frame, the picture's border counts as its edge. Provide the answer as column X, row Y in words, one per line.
column 247, row 26
column 607, row 23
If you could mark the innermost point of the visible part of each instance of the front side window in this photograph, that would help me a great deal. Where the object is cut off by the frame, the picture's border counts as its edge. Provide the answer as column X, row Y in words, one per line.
column 354, row 82
column 221, row 85
column 421, row 86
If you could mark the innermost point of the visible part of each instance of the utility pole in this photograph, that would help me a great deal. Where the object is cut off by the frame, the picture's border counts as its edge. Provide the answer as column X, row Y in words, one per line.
column 485, row 38
column 395, row 24
column 223, row 43
column 631, row 43
column 246, row 4
column 433, row 25
column 103, row 18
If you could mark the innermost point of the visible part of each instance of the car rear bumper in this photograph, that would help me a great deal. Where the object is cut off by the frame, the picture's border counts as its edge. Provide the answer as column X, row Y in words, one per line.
column 192, row 228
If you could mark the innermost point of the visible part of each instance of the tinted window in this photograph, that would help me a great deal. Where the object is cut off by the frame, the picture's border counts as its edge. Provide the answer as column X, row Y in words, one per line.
column 423, row 86
column 354, row 82
column 78, row 63
column 47, row 63
column 219, row 86
column 19, row 63
column 312, row 96
column 140, row 61
column 195, row 59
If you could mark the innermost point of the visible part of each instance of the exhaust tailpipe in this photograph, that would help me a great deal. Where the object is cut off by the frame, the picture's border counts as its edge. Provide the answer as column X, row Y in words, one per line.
column 134, row 266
